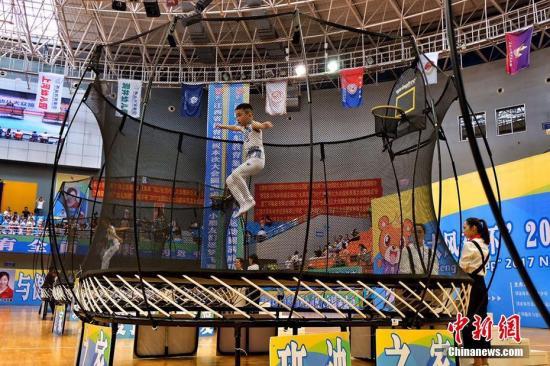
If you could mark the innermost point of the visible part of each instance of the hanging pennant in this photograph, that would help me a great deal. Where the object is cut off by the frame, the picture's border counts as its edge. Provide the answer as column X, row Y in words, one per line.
column 518, row 50
column 430, row 71
column 191, row 96
column 275, row 98
column 351, row 84
column 129, row 97
column 48, row 95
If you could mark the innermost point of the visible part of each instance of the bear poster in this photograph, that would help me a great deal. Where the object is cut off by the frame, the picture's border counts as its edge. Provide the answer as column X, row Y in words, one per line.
column 389, row 232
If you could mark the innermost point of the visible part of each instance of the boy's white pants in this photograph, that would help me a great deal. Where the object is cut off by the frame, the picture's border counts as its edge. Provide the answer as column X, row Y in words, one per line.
column 236, row 182
column 109, row 253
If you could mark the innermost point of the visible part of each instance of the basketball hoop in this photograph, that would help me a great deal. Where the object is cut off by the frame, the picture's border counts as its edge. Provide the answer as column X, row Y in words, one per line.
column 387, row 119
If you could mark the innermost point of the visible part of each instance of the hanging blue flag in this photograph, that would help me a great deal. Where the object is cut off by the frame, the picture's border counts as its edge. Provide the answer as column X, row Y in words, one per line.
column 191, row 95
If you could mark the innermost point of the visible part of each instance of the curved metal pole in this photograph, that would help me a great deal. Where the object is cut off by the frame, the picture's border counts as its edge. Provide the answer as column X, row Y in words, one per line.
column 478, row 159
column 310, row 190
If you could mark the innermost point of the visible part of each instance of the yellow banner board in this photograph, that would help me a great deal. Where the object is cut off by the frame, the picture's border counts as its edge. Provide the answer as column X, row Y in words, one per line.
column 310, row 350
column 417, row 347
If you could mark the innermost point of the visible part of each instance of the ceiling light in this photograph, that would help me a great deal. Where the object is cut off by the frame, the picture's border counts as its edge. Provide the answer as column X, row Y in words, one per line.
column 300, row 70
column 333, row 66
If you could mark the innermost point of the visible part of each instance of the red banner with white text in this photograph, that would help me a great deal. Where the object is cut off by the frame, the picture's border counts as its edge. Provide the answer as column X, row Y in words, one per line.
column 149, row 193
column 288, row 201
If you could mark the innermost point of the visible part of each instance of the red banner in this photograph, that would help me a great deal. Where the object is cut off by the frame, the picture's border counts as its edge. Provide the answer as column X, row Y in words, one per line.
column 288, row 201
column 149, row 193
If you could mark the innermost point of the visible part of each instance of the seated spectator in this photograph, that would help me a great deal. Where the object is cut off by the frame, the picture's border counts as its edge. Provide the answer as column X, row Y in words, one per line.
column 413, row 259
column 354, row 234
column 344, row 253
column 268, row 221
column 30, row 225
column 261, row 235
column 288, row 262
column 347, row 239
column 14, row 227
column 176, row 231
column 7, row 213
column 318, row 252
column 339, row 242
column 18, row 135
column 7, row 134
column 365, row 257
column 253, row 264
column 44, row 137
column 239, row 264
column 6, row 227
column 26, row 213
column 34, row 137
column 296, row 260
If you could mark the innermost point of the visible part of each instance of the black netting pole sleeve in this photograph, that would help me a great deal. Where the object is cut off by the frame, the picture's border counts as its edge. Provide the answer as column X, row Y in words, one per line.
column 49, row 223
column 323, row 159
column 297, row 21
column 173, row 195
column 146, row 98
column 413, row 203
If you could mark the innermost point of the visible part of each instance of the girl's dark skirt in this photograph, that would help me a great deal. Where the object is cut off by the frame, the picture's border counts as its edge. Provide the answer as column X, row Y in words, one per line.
column 477, row 306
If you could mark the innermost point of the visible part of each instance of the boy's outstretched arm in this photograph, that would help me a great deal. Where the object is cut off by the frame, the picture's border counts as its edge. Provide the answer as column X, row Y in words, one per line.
column 230, row 127
column 257, row 126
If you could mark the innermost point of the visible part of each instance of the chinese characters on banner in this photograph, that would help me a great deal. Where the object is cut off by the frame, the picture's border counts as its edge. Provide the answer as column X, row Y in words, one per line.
column 310, row 350
column 221, row 159
column 528, row 223
column 148, row 193
column 13, row 243
column 129, row 97
column 48, row 95
column 403, row 347
column 287, row 201
column 23, row 287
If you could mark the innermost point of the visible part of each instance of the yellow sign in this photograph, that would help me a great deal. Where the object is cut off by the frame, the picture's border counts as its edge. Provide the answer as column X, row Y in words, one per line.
column 95, row 345
column 310, row 350
column 418, row 347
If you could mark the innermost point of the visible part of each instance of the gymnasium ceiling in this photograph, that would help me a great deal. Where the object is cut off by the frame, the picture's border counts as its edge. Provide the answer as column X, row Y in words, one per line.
column 62, row 32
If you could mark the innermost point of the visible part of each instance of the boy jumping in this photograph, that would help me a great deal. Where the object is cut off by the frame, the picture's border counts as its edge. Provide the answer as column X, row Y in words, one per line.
column 255, row 157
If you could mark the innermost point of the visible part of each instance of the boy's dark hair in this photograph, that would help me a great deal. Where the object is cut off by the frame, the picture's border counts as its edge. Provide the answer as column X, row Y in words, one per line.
column 245, row 107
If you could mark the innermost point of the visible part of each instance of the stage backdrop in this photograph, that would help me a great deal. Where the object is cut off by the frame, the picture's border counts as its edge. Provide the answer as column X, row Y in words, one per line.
column 525, row 192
